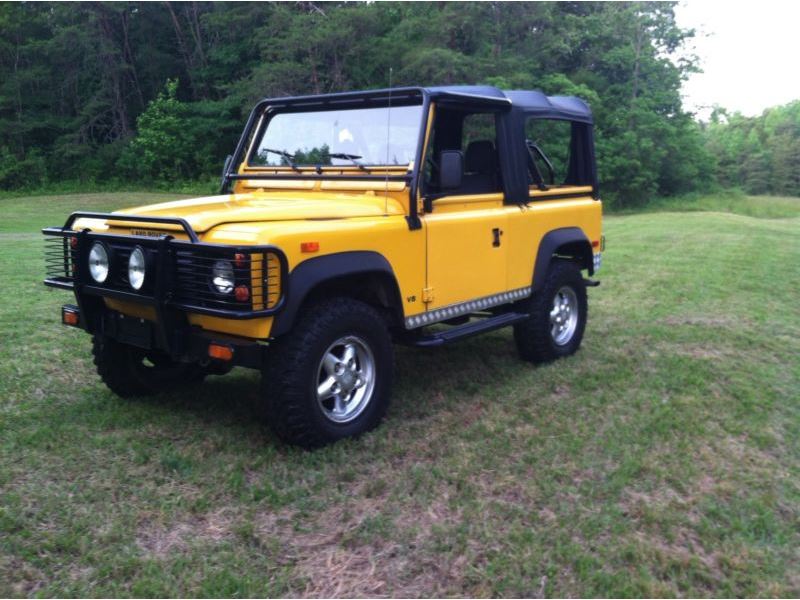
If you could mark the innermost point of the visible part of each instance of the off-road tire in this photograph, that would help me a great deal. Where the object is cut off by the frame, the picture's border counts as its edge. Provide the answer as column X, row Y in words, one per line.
column 124, row 370
column 289, row 378
column 533, row 337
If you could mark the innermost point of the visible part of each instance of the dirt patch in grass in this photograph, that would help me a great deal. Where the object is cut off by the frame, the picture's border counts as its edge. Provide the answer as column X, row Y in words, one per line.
column 26, row 581
column 364, row 547
column 705, row 320
column 157, row 540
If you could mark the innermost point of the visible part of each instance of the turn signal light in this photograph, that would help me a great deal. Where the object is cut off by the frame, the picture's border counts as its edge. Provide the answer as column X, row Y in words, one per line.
column 220, row 352
column 309, row 246
column 70, row 317
column 242, row 293
column 240, row 260
column 73, row 242
column 596, row 244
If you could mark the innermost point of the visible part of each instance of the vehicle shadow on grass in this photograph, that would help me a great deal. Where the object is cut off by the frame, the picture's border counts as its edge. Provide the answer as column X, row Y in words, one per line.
column 427, row 381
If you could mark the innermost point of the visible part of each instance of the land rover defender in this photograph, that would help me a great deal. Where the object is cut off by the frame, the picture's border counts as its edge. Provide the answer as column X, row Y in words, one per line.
column 347, row 223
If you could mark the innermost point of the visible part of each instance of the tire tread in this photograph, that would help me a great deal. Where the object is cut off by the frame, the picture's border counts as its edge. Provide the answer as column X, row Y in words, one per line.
column 532, row 337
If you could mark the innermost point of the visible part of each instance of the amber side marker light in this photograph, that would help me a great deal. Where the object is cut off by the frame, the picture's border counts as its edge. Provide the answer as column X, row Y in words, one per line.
column 70, row 317
column 309, row 246
column 596, row 244
column 220, row 352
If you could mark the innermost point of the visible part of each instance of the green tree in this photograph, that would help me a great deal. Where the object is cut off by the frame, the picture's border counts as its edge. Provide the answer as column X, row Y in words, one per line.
column 176, row 140
column 759, row 154
column 82, row 85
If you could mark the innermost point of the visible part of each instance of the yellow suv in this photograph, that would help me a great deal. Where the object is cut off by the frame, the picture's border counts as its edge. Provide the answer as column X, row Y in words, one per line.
column 346, row 223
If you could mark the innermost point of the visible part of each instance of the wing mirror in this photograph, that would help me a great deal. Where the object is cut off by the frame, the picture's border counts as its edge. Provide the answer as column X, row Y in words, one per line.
column 451, row 169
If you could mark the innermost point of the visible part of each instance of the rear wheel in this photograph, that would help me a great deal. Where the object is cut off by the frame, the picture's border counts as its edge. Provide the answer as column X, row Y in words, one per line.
column 129, row 371
column 331, row 377
column 557, row 315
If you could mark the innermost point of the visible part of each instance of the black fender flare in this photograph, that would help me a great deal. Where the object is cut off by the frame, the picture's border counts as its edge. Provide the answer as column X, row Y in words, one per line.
column 322, row 269
column 577, row 245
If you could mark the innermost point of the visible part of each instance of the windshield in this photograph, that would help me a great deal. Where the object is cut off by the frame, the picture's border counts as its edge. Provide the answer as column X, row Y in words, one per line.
column 361, row 136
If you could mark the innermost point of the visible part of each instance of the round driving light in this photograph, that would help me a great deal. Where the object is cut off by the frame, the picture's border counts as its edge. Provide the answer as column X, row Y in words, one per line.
column 136, row 268
column 222, row 277
column 98, row 262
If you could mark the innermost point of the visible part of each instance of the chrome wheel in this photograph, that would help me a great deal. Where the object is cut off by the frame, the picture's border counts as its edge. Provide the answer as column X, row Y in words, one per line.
column 345, row 379
column 564, row 316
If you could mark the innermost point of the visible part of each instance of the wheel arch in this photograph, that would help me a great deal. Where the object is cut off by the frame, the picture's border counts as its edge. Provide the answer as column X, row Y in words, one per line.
column 569, row 242
column 363, row 275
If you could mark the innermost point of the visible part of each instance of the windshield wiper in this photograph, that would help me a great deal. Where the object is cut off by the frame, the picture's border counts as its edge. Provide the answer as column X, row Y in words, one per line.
column 286, row 155
column 351, row 157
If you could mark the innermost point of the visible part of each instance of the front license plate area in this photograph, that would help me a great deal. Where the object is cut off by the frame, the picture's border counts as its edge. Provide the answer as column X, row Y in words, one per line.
column 131, row 330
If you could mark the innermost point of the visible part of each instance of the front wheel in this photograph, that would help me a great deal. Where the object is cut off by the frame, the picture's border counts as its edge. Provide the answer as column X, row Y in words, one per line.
column 557, row 316
column 331, row 377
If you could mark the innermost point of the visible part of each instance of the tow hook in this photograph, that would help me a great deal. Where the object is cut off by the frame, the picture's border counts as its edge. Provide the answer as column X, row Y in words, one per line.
column 591, row 283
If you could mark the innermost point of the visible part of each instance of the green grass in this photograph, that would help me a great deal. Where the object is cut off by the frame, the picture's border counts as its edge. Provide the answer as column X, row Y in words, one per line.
column 762, row 207
column 662, row 460
column 203, row 187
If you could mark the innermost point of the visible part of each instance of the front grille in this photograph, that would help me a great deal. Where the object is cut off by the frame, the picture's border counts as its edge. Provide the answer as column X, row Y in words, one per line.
column 273, row 280
column 119, row 271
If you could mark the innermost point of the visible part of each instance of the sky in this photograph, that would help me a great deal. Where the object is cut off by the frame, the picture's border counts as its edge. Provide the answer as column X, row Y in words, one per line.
column 749, row 52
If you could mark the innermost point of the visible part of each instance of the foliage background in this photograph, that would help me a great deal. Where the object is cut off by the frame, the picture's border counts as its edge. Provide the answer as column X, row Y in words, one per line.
column 107, row 93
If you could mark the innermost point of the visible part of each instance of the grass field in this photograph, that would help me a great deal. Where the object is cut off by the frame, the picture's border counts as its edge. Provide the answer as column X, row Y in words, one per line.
column 662, row 460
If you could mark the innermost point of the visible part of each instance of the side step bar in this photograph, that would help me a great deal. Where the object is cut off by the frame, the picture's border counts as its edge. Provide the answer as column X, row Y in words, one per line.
column 464, row 331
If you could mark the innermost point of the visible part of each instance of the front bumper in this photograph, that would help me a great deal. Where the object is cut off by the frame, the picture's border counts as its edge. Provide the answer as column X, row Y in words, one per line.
column 188, row 345
column 177, row 284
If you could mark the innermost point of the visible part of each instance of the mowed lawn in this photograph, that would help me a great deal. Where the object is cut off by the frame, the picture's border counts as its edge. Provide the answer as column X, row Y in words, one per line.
column 662, row 460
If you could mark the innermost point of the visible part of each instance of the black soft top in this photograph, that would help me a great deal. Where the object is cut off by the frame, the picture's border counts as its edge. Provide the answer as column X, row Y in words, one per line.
column 531, row 103
column 534, row 103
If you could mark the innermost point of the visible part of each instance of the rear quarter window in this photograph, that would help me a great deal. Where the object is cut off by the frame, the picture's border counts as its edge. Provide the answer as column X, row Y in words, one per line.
column 553, row 137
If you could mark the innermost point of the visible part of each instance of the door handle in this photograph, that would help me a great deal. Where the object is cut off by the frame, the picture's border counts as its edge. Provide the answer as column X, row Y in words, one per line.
column 496, row 233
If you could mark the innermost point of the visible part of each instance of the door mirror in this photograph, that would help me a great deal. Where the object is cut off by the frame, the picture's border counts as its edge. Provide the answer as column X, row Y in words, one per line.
column 223, row 181
column 451, row 169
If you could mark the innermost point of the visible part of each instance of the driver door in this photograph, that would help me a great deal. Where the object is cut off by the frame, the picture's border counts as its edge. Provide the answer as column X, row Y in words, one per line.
column 466, row 253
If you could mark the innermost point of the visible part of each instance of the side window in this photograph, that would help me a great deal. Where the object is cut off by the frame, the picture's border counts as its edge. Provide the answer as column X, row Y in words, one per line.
column 478, row 127
column 548, row 143
column 475, row 135
column 481, row 163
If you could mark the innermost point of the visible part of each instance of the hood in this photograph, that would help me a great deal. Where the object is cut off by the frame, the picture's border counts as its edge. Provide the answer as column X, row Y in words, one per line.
column 206, row 213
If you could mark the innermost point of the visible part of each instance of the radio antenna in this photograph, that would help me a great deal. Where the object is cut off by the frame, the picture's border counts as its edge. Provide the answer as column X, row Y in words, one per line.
column 388, row 134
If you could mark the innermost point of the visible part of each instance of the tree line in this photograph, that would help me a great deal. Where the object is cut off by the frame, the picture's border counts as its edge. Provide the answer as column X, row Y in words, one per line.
column 760, row 155
column 143, row 91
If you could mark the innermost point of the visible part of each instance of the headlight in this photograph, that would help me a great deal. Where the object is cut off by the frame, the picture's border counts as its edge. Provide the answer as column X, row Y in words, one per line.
column 222, row 277
column 136, row 268
column 98, row 262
